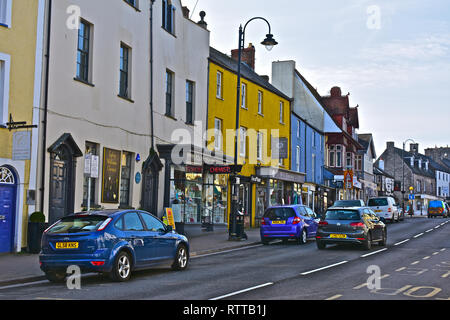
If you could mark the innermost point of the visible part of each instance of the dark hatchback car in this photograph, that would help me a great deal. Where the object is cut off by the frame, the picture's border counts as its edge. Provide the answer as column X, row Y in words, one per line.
column 114, row 242
column 351, row 225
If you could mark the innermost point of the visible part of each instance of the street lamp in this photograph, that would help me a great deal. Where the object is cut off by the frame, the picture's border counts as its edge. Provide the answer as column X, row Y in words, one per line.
column 403, row 171
column 269, row 42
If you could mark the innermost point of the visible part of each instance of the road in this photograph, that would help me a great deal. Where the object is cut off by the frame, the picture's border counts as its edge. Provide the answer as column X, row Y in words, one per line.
column 415, row 264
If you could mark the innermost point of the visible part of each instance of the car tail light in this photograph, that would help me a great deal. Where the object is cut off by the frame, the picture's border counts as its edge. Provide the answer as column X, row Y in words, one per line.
column 98, row 263
column 263, row 222
column 297, row 220
column 323, row 223
column 441, row 210
column 357, row 224
column 389, row 209
column 104, row 224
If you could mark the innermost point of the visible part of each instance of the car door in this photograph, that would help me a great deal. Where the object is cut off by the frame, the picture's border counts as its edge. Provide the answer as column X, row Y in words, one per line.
column 164, row 242
column 311, row 221
column 134, row 233
column 374, row 222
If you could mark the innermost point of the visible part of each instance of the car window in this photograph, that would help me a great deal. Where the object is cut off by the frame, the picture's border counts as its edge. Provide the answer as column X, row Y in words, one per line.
column 279, row 213
column 152, row 223
column 132, row 222
column 302, row 211
column 342, row 215
column 310, row 212
column 377, row 202
column 77, row 224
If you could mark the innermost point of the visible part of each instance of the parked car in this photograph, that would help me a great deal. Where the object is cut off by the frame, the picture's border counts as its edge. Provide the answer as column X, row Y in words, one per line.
column 385, row 207
column 354, row 225
column 288, row 222
column 349, row 203
column 438, row 208
column 115, row 242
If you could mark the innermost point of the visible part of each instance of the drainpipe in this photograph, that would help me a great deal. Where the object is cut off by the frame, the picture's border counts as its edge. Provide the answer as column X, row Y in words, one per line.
column 44, row 122
column 151, row 74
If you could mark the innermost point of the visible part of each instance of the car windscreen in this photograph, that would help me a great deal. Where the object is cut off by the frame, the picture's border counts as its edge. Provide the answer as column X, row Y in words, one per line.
column 342, row 215
column 435, row 204
column 279, row 213
column 77, row 224
column 347, row 203
column 377, row 202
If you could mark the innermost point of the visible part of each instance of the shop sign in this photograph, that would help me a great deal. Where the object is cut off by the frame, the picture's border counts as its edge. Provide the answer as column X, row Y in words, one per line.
column 255, row 179
column 348, row 179
column 111, row 175
column 194, row 169
column 223, row 169
column 280, row 146
column 170, row 219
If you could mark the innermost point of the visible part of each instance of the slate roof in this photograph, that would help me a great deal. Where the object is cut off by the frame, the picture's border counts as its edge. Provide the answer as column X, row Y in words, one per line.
column 366, row 140
column 378, row 171
column 246, row 72
column 415, row 169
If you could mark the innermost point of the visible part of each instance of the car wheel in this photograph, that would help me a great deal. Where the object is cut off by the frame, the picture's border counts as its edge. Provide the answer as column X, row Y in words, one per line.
column 55, row 276
column 122, row 267
column 265, row 242
column 303, row 237
column 181, row 258
column 320, row 245
column 384, row 240
column 368, row 243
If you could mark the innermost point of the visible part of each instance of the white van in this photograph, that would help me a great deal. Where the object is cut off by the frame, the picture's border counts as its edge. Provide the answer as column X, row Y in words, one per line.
column 385, row 208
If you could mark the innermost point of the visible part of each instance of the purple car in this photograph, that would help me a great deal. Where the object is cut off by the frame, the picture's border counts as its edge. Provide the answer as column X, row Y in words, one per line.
column 288, row 222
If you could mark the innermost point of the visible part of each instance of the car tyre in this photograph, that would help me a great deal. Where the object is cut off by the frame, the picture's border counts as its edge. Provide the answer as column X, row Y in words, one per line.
column 368, row 243
column 384, row 240
column 265, row 242
column 121, row 270
column 56, row 276
column 321, row 245
column 303, row 237
column 181, row 260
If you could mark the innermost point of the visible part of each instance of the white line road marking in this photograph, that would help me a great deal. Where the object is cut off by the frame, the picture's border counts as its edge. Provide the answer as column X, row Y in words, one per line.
column 429, row 230
column 323, row 268
column 418, row 235
column 415, row 262
column 400, row 269
column 437, row 227
column 435, row 253
column 401, row 242
column 443, row 249
column 369, row 254
column 334, row 297
column 426, row 258
column 226, row 251
column 443, row 223
column 23, row 284
column 242, row 291
column 365, row 284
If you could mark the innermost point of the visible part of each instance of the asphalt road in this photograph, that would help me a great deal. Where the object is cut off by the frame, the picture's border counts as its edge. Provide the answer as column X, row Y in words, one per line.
column 415, row 264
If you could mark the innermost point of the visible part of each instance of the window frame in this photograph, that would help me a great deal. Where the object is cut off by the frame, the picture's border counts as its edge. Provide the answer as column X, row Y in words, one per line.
column 260, row 103
column 124, row 48
column 5, row 69
column 281, row 112
column 170, row 111
column 244, row 96
column 218, row 141
column 243, row 142
column 168, row 13
column 6, row 13
column 190, row 94
column 87, row 76
column 219, row 85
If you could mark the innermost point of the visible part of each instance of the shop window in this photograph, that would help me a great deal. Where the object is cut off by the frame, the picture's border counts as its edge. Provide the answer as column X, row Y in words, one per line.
column 125, row 179
column 93, row 149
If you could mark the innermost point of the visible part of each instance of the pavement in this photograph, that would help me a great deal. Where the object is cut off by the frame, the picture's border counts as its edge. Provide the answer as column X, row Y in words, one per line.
column 24, row 267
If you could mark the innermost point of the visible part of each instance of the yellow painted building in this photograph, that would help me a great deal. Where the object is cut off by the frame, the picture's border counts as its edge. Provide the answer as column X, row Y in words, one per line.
column 264, row 114
column 20, row 67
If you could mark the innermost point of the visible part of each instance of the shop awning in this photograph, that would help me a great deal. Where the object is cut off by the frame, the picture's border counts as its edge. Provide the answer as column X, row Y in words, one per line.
column 280, row 174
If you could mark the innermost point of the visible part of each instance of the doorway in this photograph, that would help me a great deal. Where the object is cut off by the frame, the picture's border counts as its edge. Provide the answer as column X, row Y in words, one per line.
column 8, row 192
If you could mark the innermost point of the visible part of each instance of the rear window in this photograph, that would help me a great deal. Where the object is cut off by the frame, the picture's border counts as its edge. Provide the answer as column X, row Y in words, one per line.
column 436, row 204
column 378, row 202
column 347, row 203
column 77, row 224
column 279, row 213
column 342, row 215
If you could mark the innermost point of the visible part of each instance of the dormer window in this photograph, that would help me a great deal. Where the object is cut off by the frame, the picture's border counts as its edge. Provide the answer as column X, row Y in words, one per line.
column 412, row 161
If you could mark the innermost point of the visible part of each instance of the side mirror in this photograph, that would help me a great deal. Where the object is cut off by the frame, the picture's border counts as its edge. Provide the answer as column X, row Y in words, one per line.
column 169, row 229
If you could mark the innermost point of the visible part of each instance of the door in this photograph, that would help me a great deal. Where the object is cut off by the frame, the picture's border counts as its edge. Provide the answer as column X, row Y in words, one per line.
column 163, row 243
column 7, row 212
column 311, row 221
column 135, row 234
column 58, row 190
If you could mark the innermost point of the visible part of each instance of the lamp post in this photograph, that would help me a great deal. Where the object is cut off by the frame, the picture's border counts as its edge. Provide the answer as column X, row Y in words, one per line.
column 269, row 42
column 403, row 171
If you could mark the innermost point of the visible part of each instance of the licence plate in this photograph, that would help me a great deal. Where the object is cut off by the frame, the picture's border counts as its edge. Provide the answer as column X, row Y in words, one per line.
column 67, row 245
column 338, row 236
column 377, row 210
column 279, row 222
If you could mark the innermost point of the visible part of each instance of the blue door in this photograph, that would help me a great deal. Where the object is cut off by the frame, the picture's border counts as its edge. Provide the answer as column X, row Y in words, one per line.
column 7, row 212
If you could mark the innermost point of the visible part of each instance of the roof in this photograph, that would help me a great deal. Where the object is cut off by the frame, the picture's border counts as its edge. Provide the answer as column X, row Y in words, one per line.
column 416, row 170
column 246, row 72
column 366, row 140
column 378, row 171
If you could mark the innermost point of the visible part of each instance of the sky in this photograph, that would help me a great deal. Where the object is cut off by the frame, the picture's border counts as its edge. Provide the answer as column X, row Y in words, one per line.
column 392, row 56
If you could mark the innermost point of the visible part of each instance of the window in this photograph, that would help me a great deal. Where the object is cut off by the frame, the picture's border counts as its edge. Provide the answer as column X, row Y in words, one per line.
column 168, row 16
column 190, row 102
column 83, row 53
column 349, row 160
column 132, row 222
column 5, row 13
column 259, row 145
column 338, row 156
column 217, row 134
column 281, row 112
column 133, row 3
column 244, row 96
column 298, row 129
column 332, row 156
column 313, row 138
column 92, row 149
column 242, row 142
column 358, row 163
column 297, row 159
column 219, row 93
column 152, row 223
column 125, row 179
column 4, row 87
column 313, row 167
column 260, row 102
column 169, row 93
column 124, row 89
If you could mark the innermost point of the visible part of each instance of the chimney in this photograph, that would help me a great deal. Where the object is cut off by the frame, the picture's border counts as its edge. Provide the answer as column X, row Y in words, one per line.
column 248, row 55
column 266, row 78
column 414, row 148
column 185, row 12
column 336, row 92
column 202, row 23
column 390, row 144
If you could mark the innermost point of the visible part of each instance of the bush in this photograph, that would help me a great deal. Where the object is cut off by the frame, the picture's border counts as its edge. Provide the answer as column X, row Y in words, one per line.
column 37, row 217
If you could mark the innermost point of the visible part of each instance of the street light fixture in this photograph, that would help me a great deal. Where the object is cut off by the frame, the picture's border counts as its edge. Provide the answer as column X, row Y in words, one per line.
column 269, row 42
column 403, row 171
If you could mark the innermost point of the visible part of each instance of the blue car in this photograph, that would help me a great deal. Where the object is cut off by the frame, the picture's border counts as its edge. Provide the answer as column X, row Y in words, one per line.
column 114, row 242
column 288, row 222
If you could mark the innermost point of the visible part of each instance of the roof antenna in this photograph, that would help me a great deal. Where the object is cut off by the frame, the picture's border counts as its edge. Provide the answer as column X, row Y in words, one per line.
column 193, row 10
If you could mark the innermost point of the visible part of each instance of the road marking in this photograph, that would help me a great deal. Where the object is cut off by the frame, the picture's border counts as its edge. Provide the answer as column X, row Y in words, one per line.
column 323, row 268
column 369, row 254
column 426, row 258
column 443, row 249
column 437, row 227
column 429, row 230
column 365, row 284
column 415, row 262
column 443, row 223
column 334, row 297
column 225, row 251
column 401, row 242
column 446, row 275
column 418, row 235
column 435, row 253
column 242, row 291
column 23, row 284
column 400, row 269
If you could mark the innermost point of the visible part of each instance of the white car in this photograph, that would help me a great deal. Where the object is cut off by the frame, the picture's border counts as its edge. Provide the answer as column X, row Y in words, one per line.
column 385, row 208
